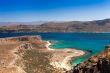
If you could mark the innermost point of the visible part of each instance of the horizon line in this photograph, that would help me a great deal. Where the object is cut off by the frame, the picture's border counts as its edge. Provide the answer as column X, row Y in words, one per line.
column 52, row 21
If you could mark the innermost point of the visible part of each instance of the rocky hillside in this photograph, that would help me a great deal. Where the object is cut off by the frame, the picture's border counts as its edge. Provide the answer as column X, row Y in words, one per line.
column 96, row 64
column 25, row 54
column 72, row 26
column 30, row 54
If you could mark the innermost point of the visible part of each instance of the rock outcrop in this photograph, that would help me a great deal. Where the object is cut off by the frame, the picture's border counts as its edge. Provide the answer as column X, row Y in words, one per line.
column 96, row 64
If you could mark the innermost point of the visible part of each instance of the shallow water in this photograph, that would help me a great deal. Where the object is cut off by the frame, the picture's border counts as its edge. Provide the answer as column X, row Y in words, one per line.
column 83, row 41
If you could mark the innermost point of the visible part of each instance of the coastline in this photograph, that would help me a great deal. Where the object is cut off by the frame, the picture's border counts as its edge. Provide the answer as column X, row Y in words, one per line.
column 66, row 62
column 59, row 59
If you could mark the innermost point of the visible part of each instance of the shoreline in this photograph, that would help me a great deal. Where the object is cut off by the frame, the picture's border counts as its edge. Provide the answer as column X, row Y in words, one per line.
column 56, row 32
column 66, row 62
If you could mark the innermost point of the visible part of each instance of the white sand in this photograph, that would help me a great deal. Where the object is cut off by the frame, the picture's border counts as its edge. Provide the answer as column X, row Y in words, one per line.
column 66, row 61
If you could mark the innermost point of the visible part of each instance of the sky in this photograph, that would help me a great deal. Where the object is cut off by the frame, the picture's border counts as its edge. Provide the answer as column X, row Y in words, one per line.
column 53, row 10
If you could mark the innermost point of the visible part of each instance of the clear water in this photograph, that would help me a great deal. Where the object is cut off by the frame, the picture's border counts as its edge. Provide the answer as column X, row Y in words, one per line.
column 83, row 41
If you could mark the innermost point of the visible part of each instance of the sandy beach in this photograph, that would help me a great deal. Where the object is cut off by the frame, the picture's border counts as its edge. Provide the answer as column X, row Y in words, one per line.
column 62, row 57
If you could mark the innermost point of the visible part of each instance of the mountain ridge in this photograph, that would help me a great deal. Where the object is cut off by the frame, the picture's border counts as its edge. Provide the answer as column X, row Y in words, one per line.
column 70, row 26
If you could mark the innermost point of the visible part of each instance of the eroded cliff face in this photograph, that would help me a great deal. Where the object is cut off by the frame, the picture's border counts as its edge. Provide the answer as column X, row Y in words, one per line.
column 96, row 64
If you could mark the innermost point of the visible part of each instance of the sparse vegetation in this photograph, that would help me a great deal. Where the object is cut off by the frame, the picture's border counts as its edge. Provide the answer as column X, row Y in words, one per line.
column 37, row 62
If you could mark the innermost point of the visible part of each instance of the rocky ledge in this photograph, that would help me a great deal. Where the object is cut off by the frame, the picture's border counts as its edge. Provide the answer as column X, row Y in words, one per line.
column 96, row 64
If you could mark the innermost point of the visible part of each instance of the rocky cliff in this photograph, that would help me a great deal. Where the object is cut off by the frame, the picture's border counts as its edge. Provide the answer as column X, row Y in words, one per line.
column 96, row 64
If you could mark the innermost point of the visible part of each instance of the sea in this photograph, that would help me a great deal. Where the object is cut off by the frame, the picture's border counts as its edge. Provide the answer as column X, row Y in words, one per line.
column 92, row 43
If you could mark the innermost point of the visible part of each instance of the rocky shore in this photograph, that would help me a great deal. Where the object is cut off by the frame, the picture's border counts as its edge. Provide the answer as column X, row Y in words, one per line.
column 96, row 64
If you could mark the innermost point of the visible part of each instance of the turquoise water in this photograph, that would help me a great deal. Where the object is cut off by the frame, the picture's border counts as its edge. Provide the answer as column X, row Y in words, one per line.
column 83, row 41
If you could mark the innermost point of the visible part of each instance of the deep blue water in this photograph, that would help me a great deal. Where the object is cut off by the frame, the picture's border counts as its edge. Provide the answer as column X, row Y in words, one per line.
column 84, row 41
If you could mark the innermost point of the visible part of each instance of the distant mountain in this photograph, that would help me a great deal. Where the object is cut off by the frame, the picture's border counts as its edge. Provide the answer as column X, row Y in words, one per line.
column 70, row 26
column 22, row 23
column 77, row 26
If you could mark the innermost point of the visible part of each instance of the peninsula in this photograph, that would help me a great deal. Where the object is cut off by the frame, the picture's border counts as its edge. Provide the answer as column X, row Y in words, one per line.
column 30, row 54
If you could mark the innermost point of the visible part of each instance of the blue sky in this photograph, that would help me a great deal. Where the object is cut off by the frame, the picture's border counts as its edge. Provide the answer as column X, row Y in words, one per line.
column 53, row 10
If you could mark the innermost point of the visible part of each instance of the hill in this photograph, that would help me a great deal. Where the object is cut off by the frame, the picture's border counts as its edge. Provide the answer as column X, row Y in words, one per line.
column 70, row 26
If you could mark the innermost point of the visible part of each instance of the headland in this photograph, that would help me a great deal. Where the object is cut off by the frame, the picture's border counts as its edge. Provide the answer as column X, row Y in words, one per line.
column 31, row 54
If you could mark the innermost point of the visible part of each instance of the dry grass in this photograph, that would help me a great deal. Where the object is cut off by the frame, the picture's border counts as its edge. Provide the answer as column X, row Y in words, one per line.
column 37, row 62
column 25, row 59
